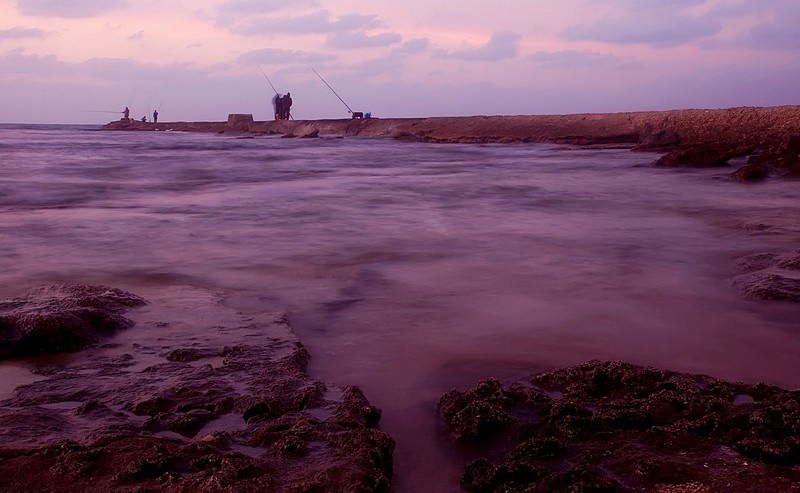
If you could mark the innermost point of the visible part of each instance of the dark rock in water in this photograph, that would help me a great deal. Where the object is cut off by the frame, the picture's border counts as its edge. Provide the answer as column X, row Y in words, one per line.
column 701, row 156
column 310, row 135
column 758, row 261
column 653, row 138
column 187, row 355
column 750, row 172
column 784, row 155
column 770, row 276
column 409, row 137
column 790, row 261
column 616, row 427
column 62, row 318
column 765, row 285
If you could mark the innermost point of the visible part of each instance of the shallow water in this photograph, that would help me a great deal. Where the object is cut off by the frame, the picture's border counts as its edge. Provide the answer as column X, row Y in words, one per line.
column 409, row 268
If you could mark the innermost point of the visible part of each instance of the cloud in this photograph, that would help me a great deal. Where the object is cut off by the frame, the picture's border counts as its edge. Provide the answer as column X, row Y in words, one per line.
column 17, row 63
column 317, row 22
column 658, row 23
column 656, row 30
column 414, row 46
column 363, row 40
column 345, row 31
column 775, row 36
column 262, row 6
column 569, row 59
column 68, row 9
column 136, row 36
column 778, row 33
column 392, row 63
column 501, row 46
column 351, row 22
column 21, row 32
column 111, row 69
column 268, row 56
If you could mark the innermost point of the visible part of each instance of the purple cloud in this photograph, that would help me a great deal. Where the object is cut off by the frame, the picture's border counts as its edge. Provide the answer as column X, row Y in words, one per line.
column 414, row 46
column 21, row 32
column 569, row 59
column 269, row 56
column 780, row 32
column 655, row 30
column 68, row 9
column 317, row 22
column 501, row 46
column 363, row 40
column 261, row 6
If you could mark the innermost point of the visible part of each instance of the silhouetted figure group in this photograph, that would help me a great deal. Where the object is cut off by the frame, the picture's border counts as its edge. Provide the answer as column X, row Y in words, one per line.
column 126, row 116
column 283, row 106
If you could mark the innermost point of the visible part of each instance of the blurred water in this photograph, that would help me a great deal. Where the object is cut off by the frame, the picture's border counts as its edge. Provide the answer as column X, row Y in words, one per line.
column 410, row 268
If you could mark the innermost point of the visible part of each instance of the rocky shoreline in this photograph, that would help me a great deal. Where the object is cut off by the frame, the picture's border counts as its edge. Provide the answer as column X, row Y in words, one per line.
column 178, row 408
column 187, row 414
column 768, row 136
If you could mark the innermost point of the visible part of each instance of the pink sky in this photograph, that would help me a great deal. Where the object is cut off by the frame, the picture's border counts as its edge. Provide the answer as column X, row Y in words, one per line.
column 66, row 61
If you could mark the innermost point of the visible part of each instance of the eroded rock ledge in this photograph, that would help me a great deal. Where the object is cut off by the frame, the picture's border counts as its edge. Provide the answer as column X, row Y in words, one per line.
column 616, row 427
column 221, row 408
column 770, row 276
column 62, row 318
column 770, row 136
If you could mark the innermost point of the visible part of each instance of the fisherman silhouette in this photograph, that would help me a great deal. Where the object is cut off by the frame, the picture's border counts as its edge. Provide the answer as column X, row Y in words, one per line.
column 155, row 116
column 126, row 113
column 286, row 104
column 276, row 103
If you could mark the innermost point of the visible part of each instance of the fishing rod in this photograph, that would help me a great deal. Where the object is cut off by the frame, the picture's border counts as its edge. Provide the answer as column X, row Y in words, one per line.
column 273, row 87
column 135, row 89
column 270, row 82
column 329, row 87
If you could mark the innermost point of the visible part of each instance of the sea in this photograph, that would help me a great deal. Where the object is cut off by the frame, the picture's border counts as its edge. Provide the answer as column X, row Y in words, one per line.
column 411, row 268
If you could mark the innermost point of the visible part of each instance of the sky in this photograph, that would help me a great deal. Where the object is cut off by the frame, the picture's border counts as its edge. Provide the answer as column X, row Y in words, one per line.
column 83, row 61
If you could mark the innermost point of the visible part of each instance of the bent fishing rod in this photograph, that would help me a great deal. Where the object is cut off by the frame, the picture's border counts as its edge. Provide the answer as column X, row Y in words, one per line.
column 272, row 86
column 329, row 87
column 270, row 82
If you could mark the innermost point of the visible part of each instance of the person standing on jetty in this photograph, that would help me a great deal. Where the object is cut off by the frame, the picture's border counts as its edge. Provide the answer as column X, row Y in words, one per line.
column 126, row 113
column 155, row 116
column 286, row 104
column 277, row 104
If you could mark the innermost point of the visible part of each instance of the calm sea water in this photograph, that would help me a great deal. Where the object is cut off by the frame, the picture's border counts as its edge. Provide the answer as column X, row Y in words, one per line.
column 410, row 268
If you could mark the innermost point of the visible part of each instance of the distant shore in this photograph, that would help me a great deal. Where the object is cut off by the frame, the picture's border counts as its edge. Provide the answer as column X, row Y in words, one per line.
column 693, row 137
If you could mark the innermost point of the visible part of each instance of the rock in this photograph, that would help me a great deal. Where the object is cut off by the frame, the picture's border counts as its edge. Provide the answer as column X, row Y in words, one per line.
column 240, row 121
column 408, row 137
column 770, row 276
column 251, row 423
column 62, row 318
column 783, row 155
column 652, row 138
column 693, row 137
column 611, row 426
column 310, row 135
column 769, row 286
column 701, row 156
column 750, row 172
